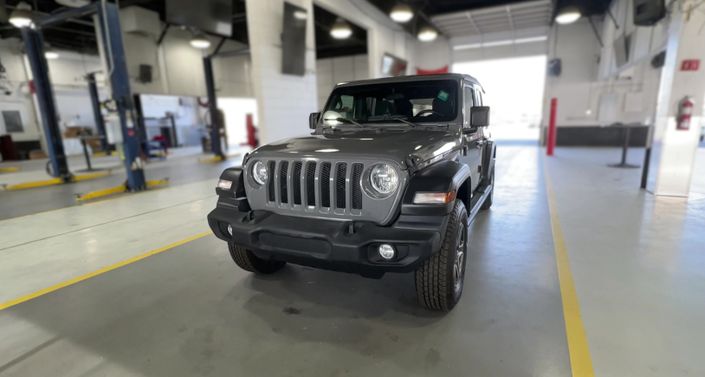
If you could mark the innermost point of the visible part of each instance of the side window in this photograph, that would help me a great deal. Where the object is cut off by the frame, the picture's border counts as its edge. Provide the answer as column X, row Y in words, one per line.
column 469, row 103
column 344, row 105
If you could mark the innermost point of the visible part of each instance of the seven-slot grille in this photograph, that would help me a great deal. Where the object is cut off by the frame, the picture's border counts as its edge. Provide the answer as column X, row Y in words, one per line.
column 315, row 185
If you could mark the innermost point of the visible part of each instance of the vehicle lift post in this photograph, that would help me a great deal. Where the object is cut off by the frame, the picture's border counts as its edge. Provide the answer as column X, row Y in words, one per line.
column 111, row 35
column 34, row 47
column 97, row 114
column 216, row 118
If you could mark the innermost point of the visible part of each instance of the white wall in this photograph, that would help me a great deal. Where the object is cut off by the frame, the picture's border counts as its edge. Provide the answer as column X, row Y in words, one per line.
column 70, row 89
column 177, row 67
column 592, row 90
column 284, row 101
column 431, row 55
column 579, row 51
column 332, row 71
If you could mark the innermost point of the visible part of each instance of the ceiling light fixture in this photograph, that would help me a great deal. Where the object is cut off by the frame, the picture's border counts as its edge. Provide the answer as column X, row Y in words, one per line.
column 341, row 29
column 21, row 16
column 200, row 41
column 401, row 13
column 568, row 15
column 427, row 34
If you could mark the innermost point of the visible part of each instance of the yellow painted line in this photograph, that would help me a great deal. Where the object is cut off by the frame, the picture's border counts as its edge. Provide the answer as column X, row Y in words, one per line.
column 578, row 347
column 55, row 181
column 114, row 266
column 101, row 193
column 9, row 169
column 154, row 183
column 89, row 176
column 211, row 160
column 216, row 159
column 33, row 184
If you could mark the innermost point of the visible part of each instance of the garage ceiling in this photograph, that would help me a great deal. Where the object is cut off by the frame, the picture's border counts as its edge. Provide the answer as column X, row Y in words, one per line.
column 79, row 34
column 472, row 17
column 509, row 17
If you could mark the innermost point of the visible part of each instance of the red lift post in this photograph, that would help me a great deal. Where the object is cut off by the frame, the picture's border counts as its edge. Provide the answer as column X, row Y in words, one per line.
column 551, row 137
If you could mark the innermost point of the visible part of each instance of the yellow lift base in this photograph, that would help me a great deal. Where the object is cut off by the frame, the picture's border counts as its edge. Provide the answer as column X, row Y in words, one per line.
column 9, row 169
column 55, row 181
column 216, row 159
column 118, row 190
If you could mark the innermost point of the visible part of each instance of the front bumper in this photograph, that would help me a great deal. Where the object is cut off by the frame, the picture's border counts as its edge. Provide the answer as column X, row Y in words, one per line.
column 331, row 244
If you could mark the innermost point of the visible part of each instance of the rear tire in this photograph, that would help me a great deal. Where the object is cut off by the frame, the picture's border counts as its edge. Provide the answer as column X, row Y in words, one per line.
column 439, row 281
column 248, row 261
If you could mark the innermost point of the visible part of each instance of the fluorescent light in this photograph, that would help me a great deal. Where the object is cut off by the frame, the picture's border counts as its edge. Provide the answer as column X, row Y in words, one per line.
column 517, row 41
column 341, row 29
column 427, row 34
column 467, row 46
column 51, row 55
column 497, row 43
column 401, row 13
column 531, row 39
column 21, row 16
column 200, row 41
column 568, row 15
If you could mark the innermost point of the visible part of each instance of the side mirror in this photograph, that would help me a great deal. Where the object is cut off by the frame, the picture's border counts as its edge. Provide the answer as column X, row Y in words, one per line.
column 313, row 120
column 479, row 116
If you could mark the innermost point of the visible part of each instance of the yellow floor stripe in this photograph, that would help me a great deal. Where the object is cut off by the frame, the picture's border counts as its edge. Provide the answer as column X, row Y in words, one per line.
column 151, row 184
column 78, row 279
column 9, row 169
column 578, row 348
column 34, row 184
column 101, row 193
column 89, row 176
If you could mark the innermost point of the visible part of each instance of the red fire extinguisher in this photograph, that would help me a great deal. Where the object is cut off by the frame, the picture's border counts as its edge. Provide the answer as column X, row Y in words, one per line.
column 685, row 112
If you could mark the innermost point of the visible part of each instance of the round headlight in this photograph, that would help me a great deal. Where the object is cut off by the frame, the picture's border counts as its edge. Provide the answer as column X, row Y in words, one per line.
column 259, row 172
column 384, row 179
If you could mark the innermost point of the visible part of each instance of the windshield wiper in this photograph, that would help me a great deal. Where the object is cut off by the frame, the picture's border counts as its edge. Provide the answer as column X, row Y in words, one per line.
column 404, row 119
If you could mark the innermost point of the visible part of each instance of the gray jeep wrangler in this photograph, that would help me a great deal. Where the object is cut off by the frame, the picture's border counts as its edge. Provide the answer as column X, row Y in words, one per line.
column 389, row 181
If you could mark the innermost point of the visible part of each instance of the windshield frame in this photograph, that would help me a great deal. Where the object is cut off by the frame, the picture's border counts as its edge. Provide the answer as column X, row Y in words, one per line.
column 382, row 123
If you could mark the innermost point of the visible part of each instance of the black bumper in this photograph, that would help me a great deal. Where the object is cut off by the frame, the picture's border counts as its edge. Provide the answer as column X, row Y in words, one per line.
column 335, row 245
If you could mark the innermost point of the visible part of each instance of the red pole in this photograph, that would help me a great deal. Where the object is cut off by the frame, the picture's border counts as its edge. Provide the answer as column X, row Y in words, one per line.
column 551, row 137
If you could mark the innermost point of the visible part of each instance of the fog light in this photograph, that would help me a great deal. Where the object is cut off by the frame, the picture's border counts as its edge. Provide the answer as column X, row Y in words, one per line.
column 386, row 251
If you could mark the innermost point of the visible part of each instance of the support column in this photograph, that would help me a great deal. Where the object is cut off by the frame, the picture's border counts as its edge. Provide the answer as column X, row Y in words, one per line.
column 283, row 101
column 114, row 53
column 34, row 46
column 673, row 150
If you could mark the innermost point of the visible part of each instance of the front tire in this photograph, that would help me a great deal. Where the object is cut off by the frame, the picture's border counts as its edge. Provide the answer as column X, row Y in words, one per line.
column 248, row 261
column 439, row 281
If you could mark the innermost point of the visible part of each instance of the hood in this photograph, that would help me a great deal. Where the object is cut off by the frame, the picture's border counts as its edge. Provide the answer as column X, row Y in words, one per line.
column 394, row 144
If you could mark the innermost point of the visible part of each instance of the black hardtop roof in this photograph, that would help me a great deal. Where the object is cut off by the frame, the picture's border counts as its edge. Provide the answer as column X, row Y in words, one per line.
column 386, row 80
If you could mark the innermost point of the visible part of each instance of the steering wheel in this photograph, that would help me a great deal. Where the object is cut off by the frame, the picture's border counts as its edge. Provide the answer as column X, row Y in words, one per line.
column 426, row 112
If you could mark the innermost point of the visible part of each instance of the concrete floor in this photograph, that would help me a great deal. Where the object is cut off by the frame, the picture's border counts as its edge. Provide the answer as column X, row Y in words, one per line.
column 637, row 262
column 181, row 167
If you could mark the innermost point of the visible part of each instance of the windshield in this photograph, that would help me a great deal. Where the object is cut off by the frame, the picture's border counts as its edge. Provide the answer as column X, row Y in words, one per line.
column 415, row 101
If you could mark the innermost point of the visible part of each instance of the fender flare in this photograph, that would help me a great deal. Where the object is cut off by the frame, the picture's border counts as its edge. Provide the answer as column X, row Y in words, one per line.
column 445, row 176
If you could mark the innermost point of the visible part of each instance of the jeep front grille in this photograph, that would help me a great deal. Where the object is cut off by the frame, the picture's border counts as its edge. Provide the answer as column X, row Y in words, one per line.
column 320, row 188
column 311, row 184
